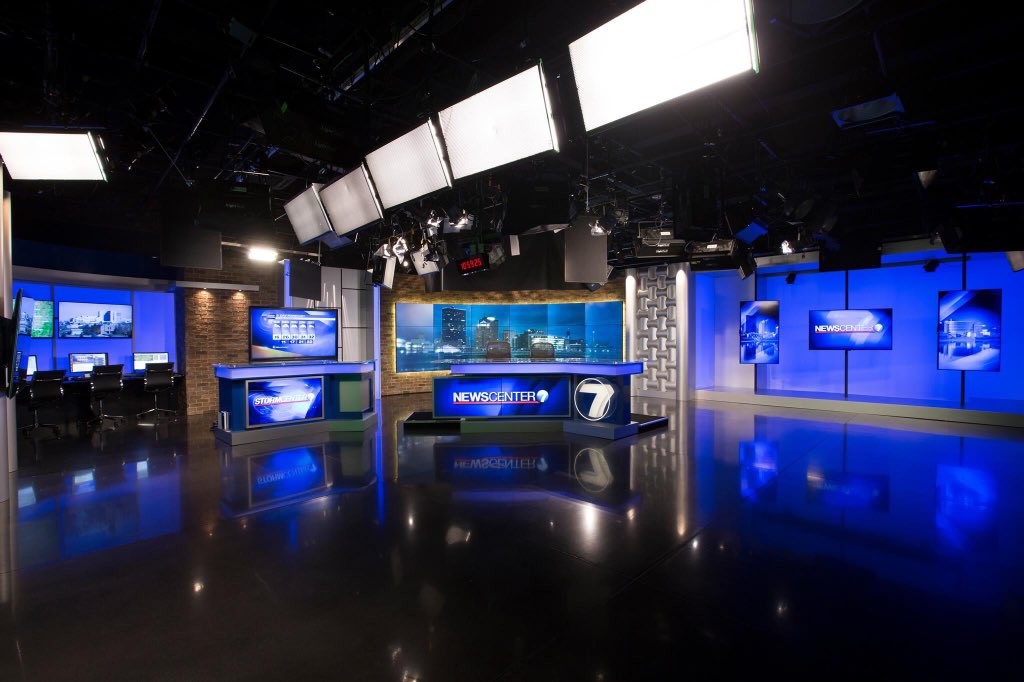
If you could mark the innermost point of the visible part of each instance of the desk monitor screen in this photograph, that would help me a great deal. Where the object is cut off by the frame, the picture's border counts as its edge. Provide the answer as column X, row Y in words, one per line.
column 140, row 360
column 31, row 365
column 84, row 362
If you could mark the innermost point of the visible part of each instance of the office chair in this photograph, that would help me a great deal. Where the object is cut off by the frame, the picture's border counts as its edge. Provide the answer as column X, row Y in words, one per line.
column 158, row 378
column 46, row 389
column 105, row 383
column 498, row 350
column 542, row 350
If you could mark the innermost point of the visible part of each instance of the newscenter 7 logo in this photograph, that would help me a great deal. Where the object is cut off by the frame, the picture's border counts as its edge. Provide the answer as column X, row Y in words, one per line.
column 594, row 398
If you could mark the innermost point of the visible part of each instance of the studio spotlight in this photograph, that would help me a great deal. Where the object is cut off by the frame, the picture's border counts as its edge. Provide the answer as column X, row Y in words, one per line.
column 786, row 248
column 601, row 225
column 263, row 254
column 790, row 277
column 465, row 221
column 400, row 247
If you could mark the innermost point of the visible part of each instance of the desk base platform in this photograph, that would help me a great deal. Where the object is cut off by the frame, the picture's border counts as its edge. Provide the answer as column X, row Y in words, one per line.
column 425, row 421
column 291, row 430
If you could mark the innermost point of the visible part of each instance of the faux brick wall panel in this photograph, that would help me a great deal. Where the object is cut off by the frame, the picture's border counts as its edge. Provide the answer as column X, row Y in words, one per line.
column 213, row 325
column 409, row 289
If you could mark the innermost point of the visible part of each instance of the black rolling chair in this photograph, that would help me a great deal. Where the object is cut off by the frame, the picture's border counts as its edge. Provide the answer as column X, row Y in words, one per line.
column 46, row 389
column 542, row 350
column 159, row 378
column 105, row 384
column 498, row 351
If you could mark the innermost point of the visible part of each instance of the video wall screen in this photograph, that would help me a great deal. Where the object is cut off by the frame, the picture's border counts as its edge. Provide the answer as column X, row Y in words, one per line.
column 970, row 325
column 42, row 320
column 869, row 329
column 433, row 336
column 293, row 334
column 93, row 320
column 759, row 332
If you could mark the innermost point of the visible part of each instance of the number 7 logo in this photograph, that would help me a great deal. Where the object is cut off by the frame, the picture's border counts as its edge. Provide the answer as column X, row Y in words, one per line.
column 601, row 404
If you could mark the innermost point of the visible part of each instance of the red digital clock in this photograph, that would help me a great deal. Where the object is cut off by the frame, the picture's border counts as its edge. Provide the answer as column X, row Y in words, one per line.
column 474, row 264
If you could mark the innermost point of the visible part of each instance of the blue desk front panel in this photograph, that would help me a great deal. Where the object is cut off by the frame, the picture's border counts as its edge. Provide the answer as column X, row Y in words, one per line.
column 283, row 400
column 532, row 396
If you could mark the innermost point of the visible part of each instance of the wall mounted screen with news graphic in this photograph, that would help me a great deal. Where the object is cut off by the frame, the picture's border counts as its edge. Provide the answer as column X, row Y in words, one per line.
column 528, row 396
column 93, row 320
column 433, row 336
column 293, row 334
column 42, row 320
column 759, row 332
column 284, row 400
column 869, row 329
column 970, row 329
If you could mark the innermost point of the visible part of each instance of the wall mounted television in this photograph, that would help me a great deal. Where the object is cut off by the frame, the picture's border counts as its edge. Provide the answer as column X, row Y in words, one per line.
column 867, row 329
column 42, row 320
column 970, row 330
column 759, row 332
column 279, row 334
column 93, row 320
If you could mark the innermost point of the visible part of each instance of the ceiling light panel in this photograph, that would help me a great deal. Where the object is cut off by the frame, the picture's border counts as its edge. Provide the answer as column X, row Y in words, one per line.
column 350, row 202
column 307, row 216
column 506, row 122
column 409, row 167
column 51, row 156
column 660, row 50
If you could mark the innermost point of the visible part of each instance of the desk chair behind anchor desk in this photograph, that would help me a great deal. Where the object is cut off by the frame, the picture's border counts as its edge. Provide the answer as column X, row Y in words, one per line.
column 158, row 378
column 46, row 389
column 104, row 384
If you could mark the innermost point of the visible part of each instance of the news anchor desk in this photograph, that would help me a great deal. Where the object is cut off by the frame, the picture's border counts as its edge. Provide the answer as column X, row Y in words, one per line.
column 269, row 400
column 584, row 397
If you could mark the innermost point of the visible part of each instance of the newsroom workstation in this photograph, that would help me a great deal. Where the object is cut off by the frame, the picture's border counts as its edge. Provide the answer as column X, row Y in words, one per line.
column 75, row 359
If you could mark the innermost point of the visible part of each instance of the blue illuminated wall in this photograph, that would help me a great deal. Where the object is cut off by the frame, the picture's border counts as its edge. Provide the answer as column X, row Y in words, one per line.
column 908, row 373
column 153, row 325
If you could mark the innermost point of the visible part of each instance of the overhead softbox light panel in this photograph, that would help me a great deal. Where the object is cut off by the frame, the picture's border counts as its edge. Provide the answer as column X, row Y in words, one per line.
column 51, row 156
column 506, row 122
column 350, row 202
column 660, row 50
column 409, row 167
column 307, row 215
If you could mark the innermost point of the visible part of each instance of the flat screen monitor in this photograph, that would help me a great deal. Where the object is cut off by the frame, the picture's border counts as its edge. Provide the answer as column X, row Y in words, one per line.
column 140, row 360
column 28, row 307
column 277, row 334
column 759, row 332
column 970, row 330
column 93, row 320
column 869, row 329
column 31, row 365
column 84, row 362
column 42, row 320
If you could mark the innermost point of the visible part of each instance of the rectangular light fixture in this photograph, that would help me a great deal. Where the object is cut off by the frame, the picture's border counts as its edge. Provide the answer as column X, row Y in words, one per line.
column 307, row 215
column 660, row 50
column 506, row 122
column 409, row 167
column 351, row 202
column 51, row 156
column 263, row 254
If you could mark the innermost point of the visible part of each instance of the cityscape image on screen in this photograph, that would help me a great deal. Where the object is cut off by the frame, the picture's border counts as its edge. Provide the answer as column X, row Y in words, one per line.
column 433, row 336
column 759, row 332
column 970, row 325
column 94, row 320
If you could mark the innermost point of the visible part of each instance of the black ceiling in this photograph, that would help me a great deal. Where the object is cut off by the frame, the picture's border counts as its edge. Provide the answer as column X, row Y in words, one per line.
column 187, row 95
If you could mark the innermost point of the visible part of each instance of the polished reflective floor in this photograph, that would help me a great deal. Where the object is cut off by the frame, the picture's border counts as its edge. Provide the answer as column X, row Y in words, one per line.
column 737, row 541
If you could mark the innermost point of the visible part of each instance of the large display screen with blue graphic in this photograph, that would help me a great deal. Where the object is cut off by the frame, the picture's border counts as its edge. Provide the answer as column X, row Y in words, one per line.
column 433, row 336
column 498, row 396
column 293, row 334
column 93, row 320
column 284, row 400
column 759, row 332
column 970, row 325
column 286, row 474
column 869, row 329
